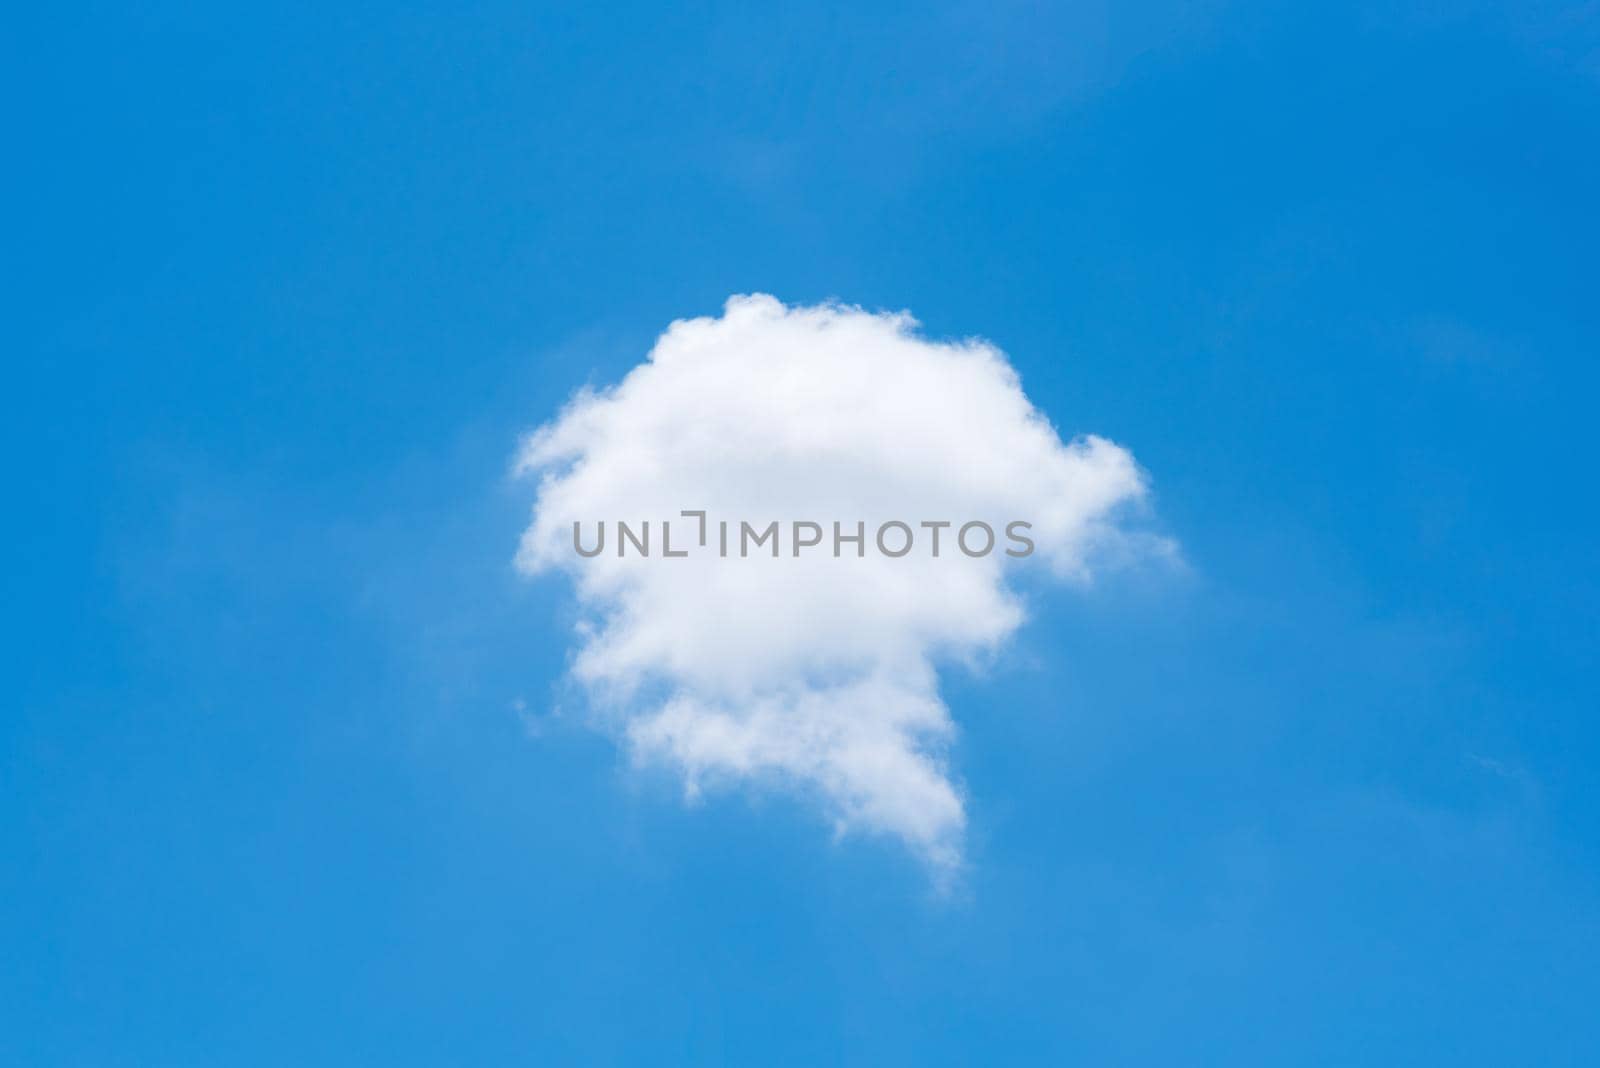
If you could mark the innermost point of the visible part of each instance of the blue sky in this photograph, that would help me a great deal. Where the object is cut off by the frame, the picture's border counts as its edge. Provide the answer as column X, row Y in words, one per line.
column 284, row 287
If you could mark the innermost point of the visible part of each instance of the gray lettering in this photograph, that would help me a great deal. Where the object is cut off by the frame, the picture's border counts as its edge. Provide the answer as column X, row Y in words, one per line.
column 961, row 538
column 746, row 530
column 624, row 535
column 809, row 542
column 702, row 517
column 884, row 549
column 1011, row 532
column 598, row 545
column 860, row 538
column 666, row 541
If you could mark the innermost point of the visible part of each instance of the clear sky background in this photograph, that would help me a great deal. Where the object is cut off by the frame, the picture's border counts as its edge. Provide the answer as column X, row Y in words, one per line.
column 288, row 771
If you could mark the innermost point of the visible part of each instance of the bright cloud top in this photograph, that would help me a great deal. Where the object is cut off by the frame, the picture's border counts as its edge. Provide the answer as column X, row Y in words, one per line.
column 816, row 671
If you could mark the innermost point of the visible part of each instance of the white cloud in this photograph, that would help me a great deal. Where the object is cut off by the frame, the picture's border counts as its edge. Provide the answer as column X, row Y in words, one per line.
column 816, row 672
